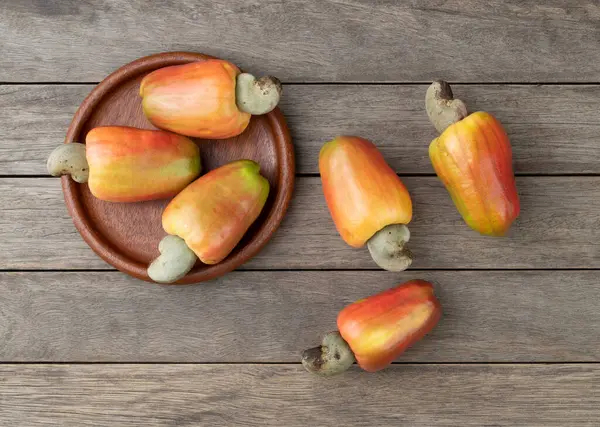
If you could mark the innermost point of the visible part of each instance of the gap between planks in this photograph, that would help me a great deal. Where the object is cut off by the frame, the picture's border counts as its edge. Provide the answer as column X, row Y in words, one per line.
column 347, row 83
column 299, row 270
column 401, row 175
column 412, row 363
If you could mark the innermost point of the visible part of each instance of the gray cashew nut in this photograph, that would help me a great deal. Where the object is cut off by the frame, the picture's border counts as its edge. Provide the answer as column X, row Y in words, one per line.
column 442, row 109
column 69, row 159
column 257, row 96
column 332, row 357
column 388, row 247
column 175, row 261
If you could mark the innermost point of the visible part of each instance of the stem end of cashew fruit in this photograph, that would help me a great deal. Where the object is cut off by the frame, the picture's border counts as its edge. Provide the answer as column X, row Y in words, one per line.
column 387, row 247
column 69, row 159
column 175, row 261
column 442, row 109
column 332, row 357
column 257, row 96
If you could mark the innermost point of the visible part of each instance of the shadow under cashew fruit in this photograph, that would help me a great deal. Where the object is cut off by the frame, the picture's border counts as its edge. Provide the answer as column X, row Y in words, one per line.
column 124, row 164
column 209, row 218
column 368, row 202
column 207, row 99
column 374, row 331
column 473, row 158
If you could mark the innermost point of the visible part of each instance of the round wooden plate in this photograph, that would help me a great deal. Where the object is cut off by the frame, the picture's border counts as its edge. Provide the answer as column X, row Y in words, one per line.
column 126, row 235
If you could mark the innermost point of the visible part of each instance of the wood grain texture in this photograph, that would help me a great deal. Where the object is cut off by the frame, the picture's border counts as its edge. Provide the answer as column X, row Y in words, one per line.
column 330, row 40
column 265, row 395
column 508, row 316
column 558, row 228
column 553, row 129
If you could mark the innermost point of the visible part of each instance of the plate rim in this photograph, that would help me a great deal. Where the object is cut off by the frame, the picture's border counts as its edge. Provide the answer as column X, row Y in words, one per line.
column 285, row 153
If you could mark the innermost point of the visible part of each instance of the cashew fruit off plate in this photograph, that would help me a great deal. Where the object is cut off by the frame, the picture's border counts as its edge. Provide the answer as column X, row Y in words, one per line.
column 127, row 234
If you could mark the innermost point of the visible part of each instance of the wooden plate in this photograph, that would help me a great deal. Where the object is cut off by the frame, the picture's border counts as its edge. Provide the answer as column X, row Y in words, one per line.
column 126, row 235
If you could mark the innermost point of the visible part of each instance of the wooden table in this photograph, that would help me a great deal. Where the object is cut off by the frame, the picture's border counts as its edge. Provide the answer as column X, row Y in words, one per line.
column 519, row 343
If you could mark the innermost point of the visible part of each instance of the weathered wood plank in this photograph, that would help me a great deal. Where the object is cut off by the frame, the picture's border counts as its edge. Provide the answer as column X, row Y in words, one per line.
column 265, row 395
column 330, row 40
column 558, row 228
column 508, row 316
column 34, row 120
column 554, row 129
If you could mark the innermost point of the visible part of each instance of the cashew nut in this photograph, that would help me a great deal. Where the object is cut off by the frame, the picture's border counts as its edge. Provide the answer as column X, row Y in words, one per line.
column 174, row 262
column 442, row 109
column 69, row 159
column 387, row 247
column 332, row 357
column 257, row 96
